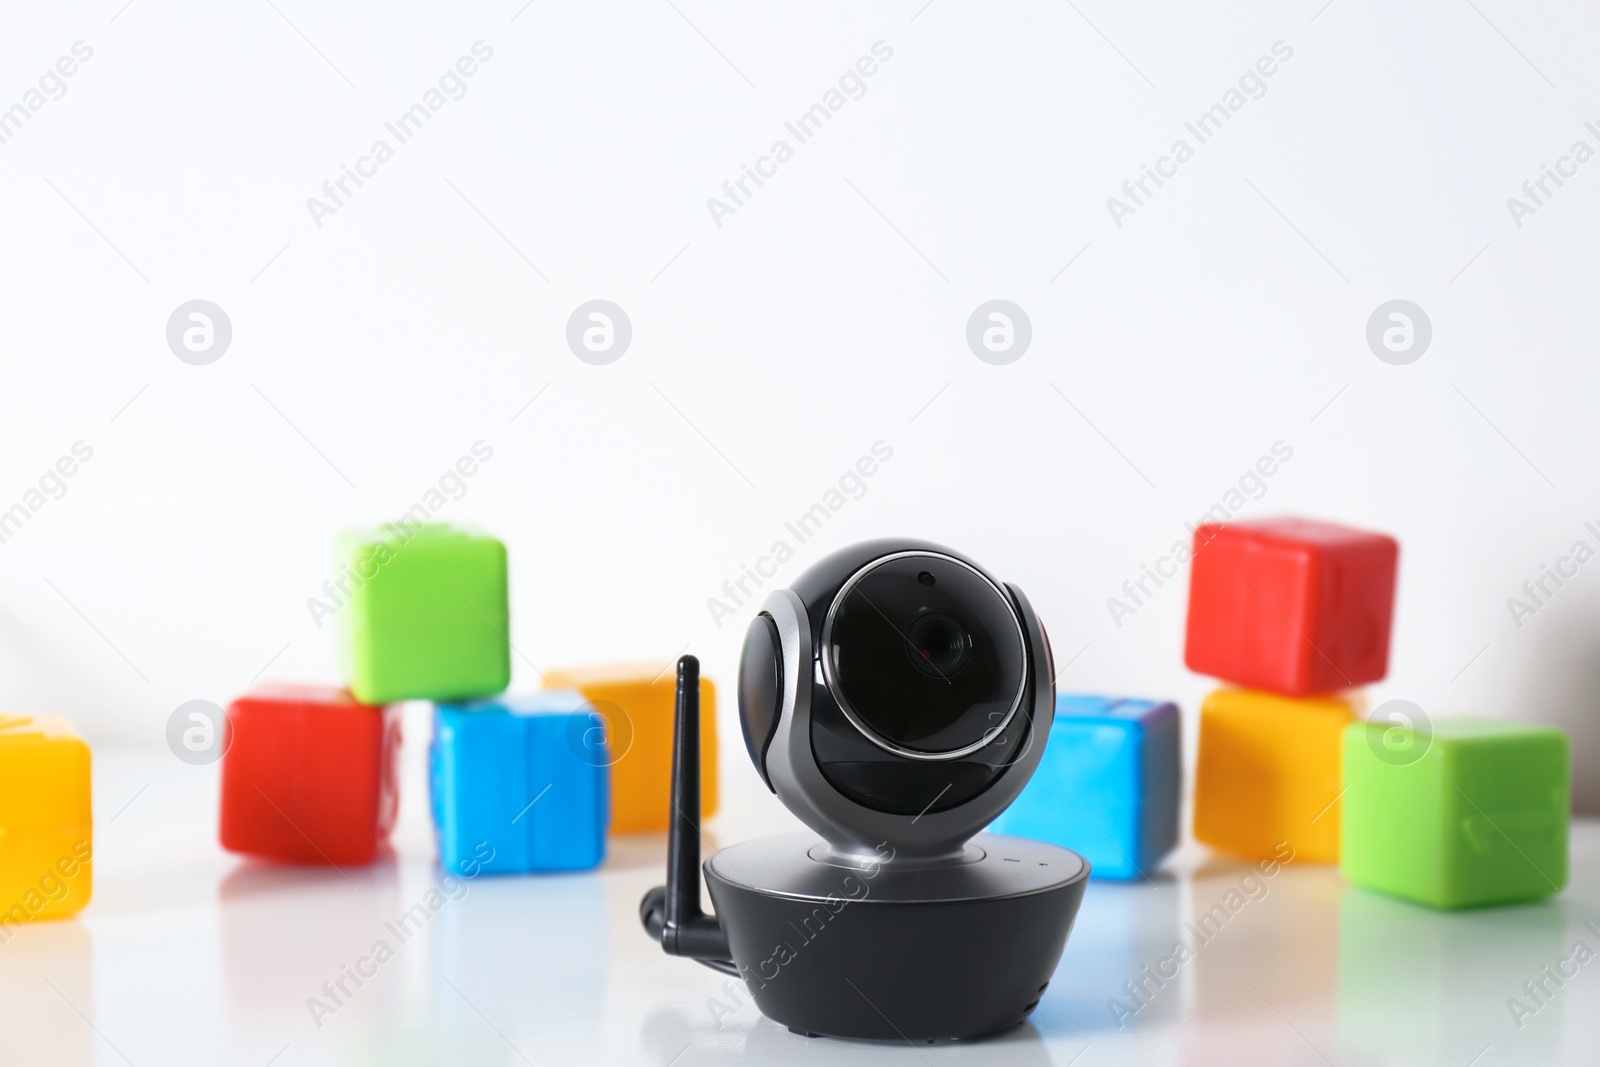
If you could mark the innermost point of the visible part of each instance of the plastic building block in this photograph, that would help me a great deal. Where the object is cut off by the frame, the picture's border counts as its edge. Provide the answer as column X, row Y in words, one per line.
column 519, row 784
column 309, row 776
column 46, row 826
column 1268, row 774
column 637, row 706
column 427, row 616
column 1290, row 606
column 1107, row 787
column 1473, row 812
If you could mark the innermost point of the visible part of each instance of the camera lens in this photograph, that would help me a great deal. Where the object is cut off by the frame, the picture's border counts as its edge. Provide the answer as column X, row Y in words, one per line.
column 938, row 644
column 925, row 655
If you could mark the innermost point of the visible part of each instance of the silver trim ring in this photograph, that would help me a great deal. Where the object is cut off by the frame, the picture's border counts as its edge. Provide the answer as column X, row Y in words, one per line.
column 825, row 655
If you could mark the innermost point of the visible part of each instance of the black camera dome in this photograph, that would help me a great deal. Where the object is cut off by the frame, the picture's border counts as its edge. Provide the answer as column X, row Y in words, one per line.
column 924, row 654
column 921, row 676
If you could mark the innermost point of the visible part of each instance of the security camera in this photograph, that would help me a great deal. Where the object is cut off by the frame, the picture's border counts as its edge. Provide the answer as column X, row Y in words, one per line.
column 896, row 699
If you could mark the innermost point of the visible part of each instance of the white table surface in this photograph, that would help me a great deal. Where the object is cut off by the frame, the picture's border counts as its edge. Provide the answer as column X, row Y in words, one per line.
column 188, row 955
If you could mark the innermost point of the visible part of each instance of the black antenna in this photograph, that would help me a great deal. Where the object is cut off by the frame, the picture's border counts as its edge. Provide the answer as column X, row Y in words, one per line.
column 672, row 913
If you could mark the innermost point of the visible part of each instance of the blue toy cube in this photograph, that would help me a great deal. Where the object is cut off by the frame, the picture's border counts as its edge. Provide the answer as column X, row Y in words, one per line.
column 1108, row 785
column 519, row 784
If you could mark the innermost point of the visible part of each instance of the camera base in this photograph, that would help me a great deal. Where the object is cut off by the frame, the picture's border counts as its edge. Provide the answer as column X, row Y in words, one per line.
column 901, row 950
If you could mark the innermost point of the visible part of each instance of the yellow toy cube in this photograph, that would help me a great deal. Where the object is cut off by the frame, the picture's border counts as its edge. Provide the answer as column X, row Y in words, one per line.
column 637, row 704
column 46, row 826
column 1269, row 773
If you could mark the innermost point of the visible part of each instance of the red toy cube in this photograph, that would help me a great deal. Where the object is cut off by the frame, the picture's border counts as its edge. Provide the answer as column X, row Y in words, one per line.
column 309, row 776
column 1291, row 606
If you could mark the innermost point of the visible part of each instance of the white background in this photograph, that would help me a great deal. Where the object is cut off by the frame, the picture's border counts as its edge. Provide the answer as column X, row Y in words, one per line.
column 827, row 314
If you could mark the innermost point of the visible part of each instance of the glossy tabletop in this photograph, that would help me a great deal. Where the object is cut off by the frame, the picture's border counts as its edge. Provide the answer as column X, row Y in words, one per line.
column 188, row 955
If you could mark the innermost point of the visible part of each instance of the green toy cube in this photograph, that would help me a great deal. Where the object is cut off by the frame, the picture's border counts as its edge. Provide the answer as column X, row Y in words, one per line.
column 428, row 615
column 1475, row 814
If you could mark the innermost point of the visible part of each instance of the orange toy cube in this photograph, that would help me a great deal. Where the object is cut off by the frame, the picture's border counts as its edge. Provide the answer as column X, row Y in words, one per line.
column 1269, row 773
column 46, row 825
column 637, row 704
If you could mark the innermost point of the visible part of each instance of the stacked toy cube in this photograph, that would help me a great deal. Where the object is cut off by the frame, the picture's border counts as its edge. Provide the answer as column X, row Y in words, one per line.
column 309, row 776
column 1461, row 813
column 1297, row 614
column 310, row 773
column 516, row 784
column 429, row 616
column 519, row 784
